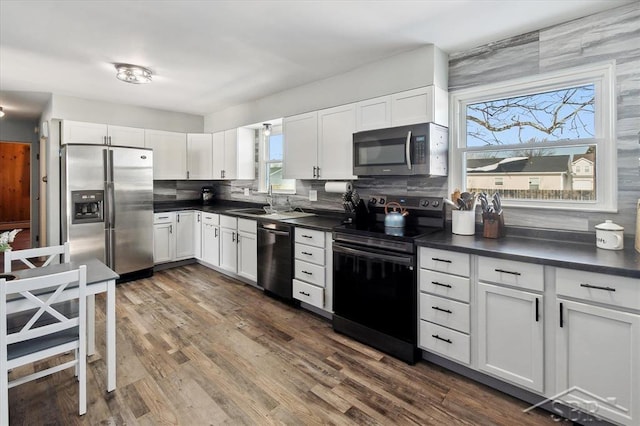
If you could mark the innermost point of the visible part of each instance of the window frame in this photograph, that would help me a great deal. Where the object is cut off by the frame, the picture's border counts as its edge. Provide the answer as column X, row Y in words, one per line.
column 602, row 76
column 263, row 161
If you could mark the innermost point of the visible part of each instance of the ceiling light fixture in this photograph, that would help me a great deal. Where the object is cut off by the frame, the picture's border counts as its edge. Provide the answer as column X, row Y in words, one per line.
column 267, row 129
column 1, row 112
column 133, row 73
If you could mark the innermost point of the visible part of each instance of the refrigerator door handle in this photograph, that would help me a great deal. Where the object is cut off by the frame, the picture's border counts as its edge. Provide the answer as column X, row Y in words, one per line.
column 107, row 205
column 112, row 201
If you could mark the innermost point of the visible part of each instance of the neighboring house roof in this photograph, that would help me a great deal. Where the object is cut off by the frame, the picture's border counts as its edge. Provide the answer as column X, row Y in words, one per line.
column 547, row 164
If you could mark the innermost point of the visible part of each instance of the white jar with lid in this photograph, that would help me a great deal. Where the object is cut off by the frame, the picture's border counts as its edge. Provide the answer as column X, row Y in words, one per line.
column 609, row 236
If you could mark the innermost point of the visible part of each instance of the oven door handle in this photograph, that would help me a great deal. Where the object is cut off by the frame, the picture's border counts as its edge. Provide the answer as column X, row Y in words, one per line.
column 374, row 254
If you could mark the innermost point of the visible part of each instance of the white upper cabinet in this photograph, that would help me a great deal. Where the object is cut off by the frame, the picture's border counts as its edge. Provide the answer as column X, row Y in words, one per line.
column 318, row 145
column 169, row 154
column 125, row 136
column 373, row 113
column 101, row 134
column 301, row 146
column 422, row 105
column 199, row 156
column 335, row 142
column 234, row 154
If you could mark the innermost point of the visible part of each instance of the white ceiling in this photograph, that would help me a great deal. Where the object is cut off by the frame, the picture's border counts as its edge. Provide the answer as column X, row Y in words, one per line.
column 209, row 55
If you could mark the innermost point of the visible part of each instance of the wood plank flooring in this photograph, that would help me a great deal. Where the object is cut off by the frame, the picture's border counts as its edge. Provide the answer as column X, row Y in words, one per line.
column 198, row 348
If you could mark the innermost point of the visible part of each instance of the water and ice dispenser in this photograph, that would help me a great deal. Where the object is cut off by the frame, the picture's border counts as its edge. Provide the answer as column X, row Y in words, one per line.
column 88, row 206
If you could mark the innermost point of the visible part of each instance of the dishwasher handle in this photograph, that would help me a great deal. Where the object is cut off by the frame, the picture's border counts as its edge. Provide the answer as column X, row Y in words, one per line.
column 273, row 231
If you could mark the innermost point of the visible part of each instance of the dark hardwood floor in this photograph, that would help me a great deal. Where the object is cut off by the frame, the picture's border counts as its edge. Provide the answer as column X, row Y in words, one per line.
column 198, row 348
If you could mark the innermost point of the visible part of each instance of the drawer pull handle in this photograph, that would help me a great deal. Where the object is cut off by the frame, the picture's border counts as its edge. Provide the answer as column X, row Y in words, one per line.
column 441, row 310
column 508, row 272
column 163, row 217
column 441, row 260
column 440, row 284
column 440, row 338
column 561, row 316
column 307, row 253
column 307, row 272
column 537, row 309
column 597, row 287
column 306, row 236
column 304, row 294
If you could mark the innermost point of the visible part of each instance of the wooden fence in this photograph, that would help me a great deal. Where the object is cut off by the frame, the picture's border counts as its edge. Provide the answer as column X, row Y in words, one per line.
column 540, row 194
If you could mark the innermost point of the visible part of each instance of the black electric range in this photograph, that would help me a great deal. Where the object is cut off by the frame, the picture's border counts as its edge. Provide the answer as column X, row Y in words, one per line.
column 375, row 275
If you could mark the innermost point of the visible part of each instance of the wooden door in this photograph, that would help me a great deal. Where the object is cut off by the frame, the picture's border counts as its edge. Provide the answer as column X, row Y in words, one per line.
column 15, row 183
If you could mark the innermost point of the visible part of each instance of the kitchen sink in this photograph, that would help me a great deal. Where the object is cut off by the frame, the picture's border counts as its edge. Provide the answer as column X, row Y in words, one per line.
column 255, row 212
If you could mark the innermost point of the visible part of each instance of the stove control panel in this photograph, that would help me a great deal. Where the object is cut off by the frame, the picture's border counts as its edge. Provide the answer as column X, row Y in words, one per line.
column 411, row 203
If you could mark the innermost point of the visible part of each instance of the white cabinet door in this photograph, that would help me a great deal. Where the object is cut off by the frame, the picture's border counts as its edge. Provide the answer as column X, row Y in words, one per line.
column 300, row 134
column 245, row 155
column 199, row 156
column 169, row 154
column 229, row 249
column 412, row 107
column 218, row 155
column 81, row 132
column 197, row 235
column 163, row 242
column 335, row 142
column 211, row 244
column 373, row 114
column 598, row 352
column 230, row 170
column 184, row 235
column 248, row 256
column 125, row 136
column 510, row 335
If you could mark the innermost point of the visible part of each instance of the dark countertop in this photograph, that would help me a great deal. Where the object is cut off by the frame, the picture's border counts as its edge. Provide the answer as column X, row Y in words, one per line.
column 561, row 249
column 562, row 253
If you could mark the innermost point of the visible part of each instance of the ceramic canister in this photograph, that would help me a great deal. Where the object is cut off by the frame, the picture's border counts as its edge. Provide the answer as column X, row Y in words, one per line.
column 609, row 236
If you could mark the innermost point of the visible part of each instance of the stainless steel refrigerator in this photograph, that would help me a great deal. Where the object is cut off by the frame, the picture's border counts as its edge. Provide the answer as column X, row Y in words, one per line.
column 107, row 203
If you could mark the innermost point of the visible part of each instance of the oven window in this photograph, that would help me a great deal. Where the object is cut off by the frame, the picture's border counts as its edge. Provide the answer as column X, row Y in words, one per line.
column 379, row 294
column 377, row 153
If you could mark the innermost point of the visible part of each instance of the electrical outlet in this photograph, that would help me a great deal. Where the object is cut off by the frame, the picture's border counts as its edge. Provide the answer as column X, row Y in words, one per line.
column 246, row 192
column 313, row 195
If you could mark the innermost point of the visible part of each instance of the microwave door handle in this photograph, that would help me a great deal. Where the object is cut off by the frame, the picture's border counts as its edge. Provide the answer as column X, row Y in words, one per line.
column 407, row 149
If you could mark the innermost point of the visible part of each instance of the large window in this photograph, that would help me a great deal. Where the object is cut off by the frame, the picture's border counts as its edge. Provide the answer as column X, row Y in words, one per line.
column 545, row 141
column 271, row 154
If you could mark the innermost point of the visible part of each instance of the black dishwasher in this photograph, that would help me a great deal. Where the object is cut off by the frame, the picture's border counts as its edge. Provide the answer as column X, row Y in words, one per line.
column 275, row 254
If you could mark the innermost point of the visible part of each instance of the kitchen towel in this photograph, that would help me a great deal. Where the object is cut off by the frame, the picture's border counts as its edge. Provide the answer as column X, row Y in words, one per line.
column 339, row 187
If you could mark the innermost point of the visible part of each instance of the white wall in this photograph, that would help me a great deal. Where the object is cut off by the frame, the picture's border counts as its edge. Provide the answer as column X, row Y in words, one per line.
column 78, row 109
column 425, row 66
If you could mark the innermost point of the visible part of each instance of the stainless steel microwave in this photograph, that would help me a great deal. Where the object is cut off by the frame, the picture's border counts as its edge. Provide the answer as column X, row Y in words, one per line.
column 419, row 149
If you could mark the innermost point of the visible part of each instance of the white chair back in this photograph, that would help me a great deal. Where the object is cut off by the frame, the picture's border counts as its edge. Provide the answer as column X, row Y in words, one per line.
column 35, row 338
column 26, row 256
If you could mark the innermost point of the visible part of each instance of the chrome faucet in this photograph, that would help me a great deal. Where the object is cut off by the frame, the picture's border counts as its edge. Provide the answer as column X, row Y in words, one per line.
column 270, row 198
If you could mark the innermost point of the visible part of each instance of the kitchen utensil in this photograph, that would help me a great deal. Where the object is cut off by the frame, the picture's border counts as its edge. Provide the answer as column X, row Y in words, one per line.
column 484, row 202
column 355, row 197
column 469, row 199
column 395, row 218
column 451, row 203
column 497, row 203
column 609, row 236
column 461, row 204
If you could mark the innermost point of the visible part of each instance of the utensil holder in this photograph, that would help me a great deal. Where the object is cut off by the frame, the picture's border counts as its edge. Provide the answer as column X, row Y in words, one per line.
column 492, row 225
column 463, row 222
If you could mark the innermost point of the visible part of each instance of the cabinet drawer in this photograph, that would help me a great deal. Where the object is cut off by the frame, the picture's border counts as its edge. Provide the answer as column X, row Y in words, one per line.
column 444, row 285
column 447, row 261
column 309, row 272
column 228, row 222
column 445, row 312
column 509, row 272
column 309, row 236
column 211, row 218
column 308, row 293
column 310, row 254
column 247, row 225
column 444, row 341
column 163, row 217
column 601, row 288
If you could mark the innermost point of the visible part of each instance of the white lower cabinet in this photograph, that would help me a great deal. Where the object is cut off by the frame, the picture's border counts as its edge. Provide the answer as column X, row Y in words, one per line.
column 197, row 235
column 229, row 243
column 510, row 335
column 598, row 346
column 313, row 268
column 185, row 236
column 211, row 239
column 163, row 237
column 443, row 304
column 248, row 249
